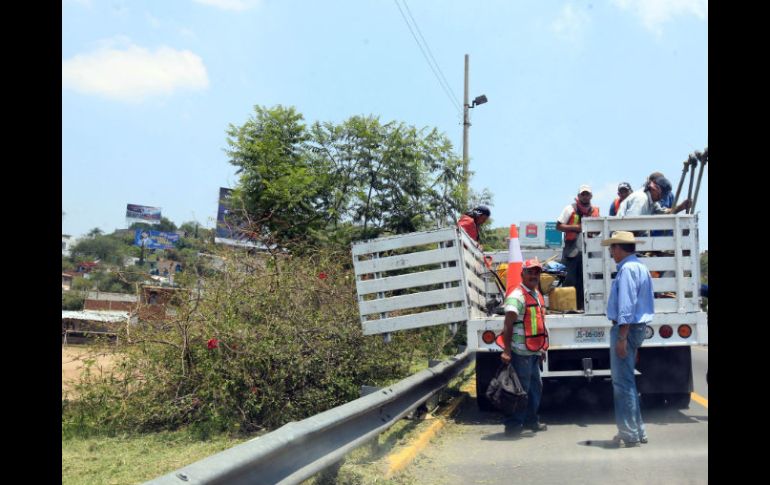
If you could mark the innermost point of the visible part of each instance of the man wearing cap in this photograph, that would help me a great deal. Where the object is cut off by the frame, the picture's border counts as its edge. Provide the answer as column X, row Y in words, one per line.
column 569, row 223
column 525, row 341
column 624, row 190
column 472, row 220
column 630, row 307
column 647, row 201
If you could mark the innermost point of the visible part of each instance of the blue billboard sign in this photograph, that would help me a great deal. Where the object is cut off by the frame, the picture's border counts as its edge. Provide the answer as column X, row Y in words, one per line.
column 155, row 239
column 552, row 235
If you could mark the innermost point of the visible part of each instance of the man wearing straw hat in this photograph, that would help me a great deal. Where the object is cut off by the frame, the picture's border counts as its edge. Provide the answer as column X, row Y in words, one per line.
column 630, row 307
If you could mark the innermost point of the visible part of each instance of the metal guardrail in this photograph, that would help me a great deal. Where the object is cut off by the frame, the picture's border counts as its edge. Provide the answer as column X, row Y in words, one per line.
column 299, row 450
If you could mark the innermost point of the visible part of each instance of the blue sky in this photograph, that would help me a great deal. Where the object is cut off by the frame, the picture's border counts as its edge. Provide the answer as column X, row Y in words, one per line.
column 579, row 93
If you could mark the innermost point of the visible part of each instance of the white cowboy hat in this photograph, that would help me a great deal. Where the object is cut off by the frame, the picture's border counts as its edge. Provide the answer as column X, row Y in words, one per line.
column 621, row 237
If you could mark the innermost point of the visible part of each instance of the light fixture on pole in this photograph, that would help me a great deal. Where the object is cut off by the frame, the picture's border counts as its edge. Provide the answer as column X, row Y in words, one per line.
column 466, row 124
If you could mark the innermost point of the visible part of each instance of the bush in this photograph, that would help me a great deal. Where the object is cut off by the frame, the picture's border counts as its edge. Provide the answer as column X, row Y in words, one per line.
column 269, row 339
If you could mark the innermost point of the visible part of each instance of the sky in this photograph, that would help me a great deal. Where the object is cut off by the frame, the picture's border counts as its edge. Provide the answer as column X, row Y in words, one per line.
column 578, row 92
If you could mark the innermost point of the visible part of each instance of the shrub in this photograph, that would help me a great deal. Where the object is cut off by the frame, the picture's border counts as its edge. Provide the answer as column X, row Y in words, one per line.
column 269, row 339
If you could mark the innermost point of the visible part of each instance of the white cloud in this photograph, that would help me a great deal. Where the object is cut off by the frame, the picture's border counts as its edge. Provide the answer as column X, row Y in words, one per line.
column 654, row 13
column 236, row 5
column 571, row 23
column 132, row 73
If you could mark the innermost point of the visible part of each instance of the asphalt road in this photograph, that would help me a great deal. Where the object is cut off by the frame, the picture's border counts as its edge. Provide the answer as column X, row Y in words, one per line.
column 575, row 449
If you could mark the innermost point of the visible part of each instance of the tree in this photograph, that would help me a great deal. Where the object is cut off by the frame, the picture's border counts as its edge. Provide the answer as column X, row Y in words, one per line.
column 358, row 179
column 107, row 249
column 95, row 232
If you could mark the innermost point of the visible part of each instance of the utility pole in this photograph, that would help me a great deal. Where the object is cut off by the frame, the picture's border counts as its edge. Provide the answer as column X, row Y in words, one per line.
column 466, row 125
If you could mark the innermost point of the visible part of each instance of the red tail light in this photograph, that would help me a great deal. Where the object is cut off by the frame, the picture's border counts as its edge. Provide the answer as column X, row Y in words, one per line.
column 684, row 331
column 488, row 337
column 666, row 331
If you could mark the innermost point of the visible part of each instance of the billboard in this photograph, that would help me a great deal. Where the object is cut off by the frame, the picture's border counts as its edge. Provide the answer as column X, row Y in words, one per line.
column 155, row 239
column 142, row 213
column 552, row 235
column 532, row 234
column 229, row 228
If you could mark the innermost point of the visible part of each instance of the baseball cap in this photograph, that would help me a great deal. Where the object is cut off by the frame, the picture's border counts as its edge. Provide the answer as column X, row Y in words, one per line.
column 664, row 185
column 532, row 263
column 585, row 188
column 624, row 186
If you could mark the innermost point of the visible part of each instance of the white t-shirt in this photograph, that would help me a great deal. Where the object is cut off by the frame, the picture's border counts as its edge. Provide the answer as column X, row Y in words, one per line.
column 565, row 214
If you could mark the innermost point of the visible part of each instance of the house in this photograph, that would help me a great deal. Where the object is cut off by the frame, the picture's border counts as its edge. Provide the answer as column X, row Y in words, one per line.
column 66, row 281
column 101, row 301
column 157, row 302
column 87, row 266
column 84, row 324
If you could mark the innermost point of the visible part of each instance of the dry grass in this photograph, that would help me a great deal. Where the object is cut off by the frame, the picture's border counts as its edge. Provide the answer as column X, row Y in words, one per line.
column 73, row 361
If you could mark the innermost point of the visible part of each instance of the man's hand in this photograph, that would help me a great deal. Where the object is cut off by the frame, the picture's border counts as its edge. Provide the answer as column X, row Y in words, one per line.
column 506, row 356
column 621, row 348
column 543, row 356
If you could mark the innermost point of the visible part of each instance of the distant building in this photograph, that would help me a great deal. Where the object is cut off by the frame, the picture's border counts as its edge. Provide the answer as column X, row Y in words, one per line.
column 101, row 301
column 87, row 266
column 66, row 281
column 66, row 243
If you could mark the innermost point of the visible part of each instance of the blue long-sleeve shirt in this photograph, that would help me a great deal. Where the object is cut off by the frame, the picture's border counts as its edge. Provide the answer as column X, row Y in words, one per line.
column 631, row 298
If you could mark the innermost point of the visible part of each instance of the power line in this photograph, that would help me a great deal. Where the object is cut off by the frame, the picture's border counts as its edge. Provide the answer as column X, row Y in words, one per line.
column 456, row 106
column 427, row 46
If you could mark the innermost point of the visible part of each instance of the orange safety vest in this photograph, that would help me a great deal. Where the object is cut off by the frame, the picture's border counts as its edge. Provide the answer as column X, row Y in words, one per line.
column 535, row 333
column 574, row 220
column 617, row 205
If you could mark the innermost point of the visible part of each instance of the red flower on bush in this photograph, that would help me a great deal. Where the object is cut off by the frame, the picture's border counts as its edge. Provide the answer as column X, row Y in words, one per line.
column 322, row 275
column 212, row 344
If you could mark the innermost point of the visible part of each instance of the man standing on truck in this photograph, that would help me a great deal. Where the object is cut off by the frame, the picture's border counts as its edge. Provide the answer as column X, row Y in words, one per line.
column 569, row 223
column 525, row 325
column 624, row 190
column 472, row 220
column 630, row 307
column 650, row 199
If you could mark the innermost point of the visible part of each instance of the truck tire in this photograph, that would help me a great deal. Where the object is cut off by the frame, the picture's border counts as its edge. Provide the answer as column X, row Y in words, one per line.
column 486, row 366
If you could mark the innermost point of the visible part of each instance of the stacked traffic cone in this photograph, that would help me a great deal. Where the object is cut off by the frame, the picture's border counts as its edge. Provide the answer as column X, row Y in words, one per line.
column 513, row 271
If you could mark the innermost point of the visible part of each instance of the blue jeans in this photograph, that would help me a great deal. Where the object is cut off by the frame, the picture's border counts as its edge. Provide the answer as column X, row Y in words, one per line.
column 628, row 414
column 527, row 367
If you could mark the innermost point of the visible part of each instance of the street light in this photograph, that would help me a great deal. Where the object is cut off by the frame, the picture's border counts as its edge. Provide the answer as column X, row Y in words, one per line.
column 466, row 124
column 479, row 100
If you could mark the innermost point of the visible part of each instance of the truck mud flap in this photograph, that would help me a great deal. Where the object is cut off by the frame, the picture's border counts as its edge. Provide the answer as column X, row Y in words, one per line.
column 665, row 370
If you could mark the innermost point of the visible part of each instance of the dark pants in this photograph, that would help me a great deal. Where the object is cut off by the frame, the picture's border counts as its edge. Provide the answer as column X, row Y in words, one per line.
column 575, row 276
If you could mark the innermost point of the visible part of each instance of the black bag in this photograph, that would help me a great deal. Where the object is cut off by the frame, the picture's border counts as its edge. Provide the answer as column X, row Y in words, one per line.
column 505, row 391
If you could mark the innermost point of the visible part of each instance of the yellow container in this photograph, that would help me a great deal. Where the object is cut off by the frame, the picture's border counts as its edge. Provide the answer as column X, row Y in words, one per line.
column 563, row 299
column 546, row 280
column 502, row 271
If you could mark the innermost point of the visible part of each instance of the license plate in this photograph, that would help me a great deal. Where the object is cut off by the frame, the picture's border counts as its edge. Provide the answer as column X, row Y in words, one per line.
column 589, row 335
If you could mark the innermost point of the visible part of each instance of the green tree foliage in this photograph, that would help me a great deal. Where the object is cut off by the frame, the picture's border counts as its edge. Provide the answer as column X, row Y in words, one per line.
column 165, row 225
column 108, row 249
column 704, row 267
column 72, row 300
column 334, row 182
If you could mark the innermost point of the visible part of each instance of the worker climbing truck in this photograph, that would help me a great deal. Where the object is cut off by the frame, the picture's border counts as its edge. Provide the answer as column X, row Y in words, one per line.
column 440, row 277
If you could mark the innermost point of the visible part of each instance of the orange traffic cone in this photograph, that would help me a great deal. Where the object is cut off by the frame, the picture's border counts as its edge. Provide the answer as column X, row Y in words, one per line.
column 515, row 261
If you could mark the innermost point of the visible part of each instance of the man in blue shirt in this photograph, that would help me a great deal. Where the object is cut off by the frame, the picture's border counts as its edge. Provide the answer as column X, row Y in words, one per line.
column 630, row 307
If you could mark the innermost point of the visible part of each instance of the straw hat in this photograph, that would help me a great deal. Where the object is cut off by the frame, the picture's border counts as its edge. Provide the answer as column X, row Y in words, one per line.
column 621, row 237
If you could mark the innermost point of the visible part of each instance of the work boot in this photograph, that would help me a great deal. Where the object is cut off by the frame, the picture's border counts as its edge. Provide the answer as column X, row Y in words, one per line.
column 512, row 431
column 535, row 427
column 619, row 442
